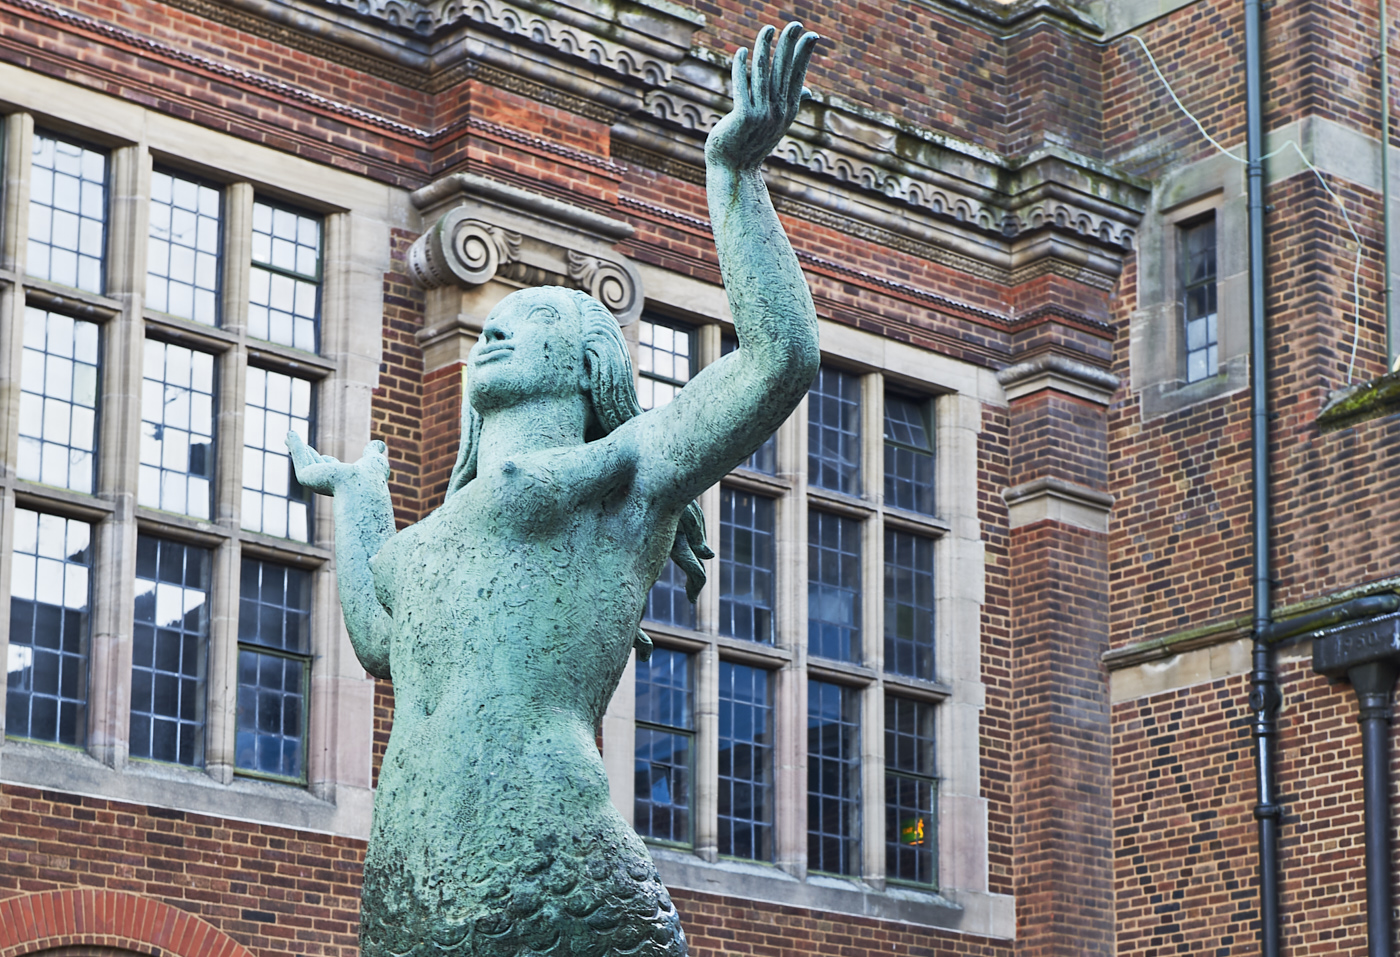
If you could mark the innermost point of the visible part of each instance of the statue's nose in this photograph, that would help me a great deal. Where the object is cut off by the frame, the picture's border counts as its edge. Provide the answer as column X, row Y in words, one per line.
column 492, row 331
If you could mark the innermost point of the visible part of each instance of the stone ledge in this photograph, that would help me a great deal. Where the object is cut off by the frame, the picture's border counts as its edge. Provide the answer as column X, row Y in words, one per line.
column 1057, row 500
column 1360, row 403
column 1061, row 374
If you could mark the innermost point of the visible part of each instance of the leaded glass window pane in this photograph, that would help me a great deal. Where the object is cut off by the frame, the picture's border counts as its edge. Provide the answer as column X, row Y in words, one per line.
column 67, row 213
column 274, row 617
column 667, row 602
column 765, row 457
column 169, row 642
column 274, row 503
column 58, row 401
column 1198, row 290
column 909, row 605
column 285, row 292
column 833, row 586
column 46, row 681
column 833, row 778
column 664, row 744
column 908, row 456
column 746, row 565
column 833, row 431
column 182, row 257
column 665, row 359
column 177, row 430
column 911, row 792
column 745, row 761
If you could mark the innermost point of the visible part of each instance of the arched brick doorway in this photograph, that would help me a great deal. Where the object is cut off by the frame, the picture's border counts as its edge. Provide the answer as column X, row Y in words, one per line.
column 86, row 923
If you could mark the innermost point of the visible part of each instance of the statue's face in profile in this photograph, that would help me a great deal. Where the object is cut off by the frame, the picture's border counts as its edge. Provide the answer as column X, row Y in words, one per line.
column 531, row 346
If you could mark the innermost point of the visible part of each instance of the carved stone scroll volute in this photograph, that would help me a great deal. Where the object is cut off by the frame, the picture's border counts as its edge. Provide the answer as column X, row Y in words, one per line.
column 608, row 283
column 459, row 248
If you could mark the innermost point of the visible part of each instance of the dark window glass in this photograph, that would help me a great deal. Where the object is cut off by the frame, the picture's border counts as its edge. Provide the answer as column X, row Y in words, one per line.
column 833, row 778
column 1198, row 291
column 746, row 563
column 274, row 618
column 667, row 602
column 908, row 456
column 177, row 430
column 911, row 792
column 285, row 281
column 745, row 761
column 765, row 457
column 665, row 358
column 833, row 431
column 909, row 605
column 833, row 586
column 169, row 642
column 273, row 501
column 58, row 401
column 666, row 361
column 46, row 685
column 182, row 258
column 67, row 213
column 665, row 741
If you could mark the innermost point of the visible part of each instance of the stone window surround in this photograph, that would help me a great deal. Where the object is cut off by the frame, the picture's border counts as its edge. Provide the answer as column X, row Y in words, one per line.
column 358, row 215
column 962, row 901
column 1157, row 336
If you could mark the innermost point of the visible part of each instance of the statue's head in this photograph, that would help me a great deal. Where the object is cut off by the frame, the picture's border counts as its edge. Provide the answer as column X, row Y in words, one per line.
column 551, row 341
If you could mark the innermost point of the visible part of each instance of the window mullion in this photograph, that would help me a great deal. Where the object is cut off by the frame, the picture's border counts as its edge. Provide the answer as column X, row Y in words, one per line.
column 118, row 446
column 706, row 754
column 790, row 632
column 16, row 145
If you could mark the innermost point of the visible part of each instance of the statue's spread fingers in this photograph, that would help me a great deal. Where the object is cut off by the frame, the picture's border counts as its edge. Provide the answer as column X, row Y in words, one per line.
column 761, row 86
column 302, row 454
column 740, row 74
column 782, row 60
column 806, row 46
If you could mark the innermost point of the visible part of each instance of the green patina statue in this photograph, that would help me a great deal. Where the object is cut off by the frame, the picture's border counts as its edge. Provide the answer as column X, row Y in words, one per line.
column 506, row 616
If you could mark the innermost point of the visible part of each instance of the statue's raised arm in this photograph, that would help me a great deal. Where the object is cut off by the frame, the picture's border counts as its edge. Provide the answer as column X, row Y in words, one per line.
column 732, row 406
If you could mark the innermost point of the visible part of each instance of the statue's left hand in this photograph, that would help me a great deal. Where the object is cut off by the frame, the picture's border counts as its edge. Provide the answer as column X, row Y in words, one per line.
column 325, row 473
column 765, row 102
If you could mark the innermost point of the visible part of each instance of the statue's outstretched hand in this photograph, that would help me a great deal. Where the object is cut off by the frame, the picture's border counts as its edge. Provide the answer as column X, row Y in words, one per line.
column 766, row 101
column 324, row 473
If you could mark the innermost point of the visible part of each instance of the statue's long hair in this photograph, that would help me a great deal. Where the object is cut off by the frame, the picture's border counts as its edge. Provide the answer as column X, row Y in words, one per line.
column 614, row 400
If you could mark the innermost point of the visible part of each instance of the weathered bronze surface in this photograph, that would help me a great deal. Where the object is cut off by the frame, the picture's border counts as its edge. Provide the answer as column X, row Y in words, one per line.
column 506, row 617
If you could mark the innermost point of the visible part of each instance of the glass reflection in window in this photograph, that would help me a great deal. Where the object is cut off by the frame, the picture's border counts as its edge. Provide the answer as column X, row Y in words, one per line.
column 58, row 400
column 182, row 258
column 665, row 739
column 67, row 213
column 177, row 430
column 273, row 501
column 46, row 682
column 285, row 291
column 169, row 640
column 274, row 617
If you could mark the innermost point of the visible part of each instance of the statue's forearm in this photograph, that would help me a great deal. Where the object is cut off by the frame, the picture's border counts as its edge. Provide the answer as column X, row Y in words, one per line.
column 772, row 306
column 364, row 522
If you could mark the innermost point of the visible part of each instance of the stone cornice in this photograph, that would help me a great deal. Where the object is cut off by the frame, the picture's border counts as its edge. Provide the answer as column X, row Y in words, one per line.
column 1060, row 373
column 1057, row 500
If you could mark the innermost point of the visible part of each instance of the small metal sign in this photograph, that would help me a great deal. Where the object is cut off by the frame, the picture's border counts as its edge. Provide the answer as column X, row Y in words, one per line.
column 1338, row 650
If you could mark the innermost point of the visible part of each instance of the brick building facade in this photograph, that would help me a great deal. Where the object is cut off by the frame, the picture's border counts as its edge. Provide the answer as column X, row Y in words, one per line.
column 971, row 675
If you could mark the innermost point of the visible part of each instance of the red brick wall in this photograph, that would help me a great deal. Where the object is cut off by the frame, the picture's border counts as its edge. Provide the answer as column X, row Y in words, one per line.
column 273, row 890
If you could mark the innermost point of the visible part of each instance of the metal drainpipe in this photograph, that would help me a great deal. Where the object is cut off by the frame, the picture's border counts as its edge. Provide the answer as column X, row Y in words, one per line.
column 1264, row 698
column 1391, row 333
column 1374, row 683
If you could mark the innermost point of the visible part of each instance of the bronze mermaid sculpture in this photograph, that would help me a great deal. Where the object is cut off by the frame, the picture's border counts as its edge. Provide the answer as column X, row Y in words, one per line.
column 506, row 617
